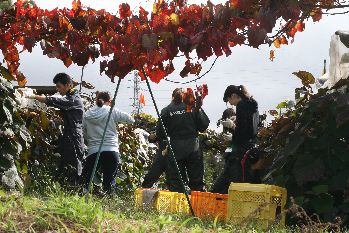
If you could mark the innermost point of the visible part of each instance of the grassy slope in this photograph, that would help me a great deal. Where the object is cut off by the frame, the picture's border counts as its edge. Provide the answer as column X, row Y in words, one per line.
column 69, row 213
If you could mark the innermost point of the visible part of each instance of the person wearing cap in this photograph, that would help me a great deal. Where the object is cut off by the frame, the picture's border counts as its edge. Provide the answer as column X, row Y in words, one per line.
column 244, row 137
column 71, row 144
column 183, row 128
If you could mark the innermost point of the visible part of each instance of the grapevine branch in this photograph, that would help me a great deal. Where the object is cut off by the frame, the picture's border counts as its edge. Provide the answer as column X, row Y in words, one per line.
column 132, row 41
column 194, row 80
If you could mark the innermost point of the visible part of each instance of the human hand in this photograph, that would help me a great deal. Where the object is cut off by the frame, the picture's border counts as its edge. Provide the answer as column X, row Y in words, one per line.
column 198, row 102
column 228, row 123
column 165, row 151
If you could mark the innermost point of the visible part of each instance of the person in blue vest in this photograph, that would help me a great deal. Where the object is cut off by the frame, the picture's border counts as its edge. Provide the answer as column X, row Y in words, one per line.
column 244, row 136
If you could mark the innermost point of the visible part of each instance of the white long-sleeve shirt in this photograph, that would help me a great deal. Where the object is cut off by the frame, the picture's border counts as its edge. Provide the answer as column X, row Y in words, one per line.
column 94, row 122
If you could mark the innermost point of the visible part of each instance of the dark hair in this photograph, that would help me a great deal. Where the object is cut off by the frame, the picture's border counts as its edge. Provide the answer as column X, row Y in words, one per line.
column 239, row 90
column 177, row 96
column 62, row 78
column 228, row 113
column 102, row 97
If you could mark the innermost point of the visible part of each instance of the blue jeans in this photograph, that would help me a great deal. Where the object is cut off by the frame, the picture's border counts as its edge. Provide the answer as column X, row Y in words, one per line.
column 109, row 162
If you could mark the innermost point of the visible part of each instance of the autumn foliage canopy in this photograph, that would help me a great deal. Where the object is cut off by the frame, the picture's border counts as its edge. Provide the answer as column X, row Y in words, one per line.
column 150, row 41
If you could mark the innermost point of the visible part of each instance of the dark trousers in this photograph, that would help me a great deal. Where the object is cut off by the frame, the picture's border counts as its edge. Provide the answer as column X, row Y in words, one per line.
column 192, row 171
column 109, row 163
column 155, row 171
column 232, row 171
column 70, row 167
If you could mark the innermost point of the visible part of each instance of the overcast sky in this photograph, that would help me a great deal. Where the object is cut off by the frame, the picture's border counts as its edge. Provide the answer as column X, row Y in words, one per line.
column 269, row 82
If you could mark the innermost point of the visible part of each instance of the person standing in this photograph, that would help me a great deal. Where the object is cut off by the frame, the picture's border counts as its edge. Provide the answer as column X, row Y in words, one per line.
column 183, row 127
column 244, row 137
column 71, row 145
column 95, row 120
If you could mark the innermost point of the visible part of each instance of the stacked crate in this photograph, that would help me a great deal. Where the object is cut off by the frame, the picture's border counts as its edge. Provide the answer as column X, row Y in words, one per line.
column 245, row 204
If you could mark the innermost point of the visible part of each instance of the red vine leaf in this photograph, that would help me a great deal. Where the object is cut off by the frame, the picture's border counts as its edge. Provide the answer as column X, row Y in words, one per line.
column 150, row 41
column 124, row 11
column 316, row 14
column 21, row 79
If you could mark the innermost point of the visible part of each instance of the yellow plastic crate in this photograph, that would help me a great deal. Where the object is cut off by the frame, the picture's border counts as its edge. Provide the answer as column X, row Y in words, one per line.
column 138, row 197
column 171, row 202
column 256, row 203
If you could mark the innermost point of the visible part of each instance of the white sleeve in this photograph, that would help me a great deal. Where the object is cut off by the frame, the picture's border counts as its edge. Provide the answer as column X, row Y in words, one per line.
column 124, row 117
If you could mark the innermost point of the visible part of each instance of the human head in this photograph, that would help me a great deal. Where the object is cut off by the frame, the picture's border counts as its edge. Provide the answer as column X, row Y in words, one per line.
column 228, row 113
column 234, row 94
column 177, row 96
column 63, row 83
column 102, row 98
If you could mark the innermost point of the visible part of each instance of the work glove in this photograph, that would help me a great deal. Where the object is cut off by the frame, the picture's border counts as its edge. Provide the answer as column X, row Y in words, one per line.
column 165, row 151
column 228, row 123
column 228, row 137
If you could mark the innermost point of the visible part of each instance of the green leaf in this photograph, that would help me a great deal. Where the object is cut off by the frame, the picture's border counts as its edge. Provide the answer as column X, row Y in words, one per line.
column 282, row 105
column 312, row 172
column 306, row 77
column 319, row 189
column 299, row 200
column 8, row 114
column 323, row 203
column 4, row 163
column 44, row 120
column 6, row 74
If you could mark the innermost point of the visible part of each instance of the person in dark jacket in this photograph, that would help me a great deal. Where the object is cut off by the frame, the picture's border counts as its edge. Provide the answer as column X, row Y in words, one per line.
column 71, row 144
column 243, row 139
column 183, row 127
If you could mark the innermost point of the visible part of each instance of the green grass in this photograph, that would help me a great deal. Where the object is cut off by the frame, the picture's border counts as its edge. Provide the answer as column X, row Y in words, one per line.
column 60, row 212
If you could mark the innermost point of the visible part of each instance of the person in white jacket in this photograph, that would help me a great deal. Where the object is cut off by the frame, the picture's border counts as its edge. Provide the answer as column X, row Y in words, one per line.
column 94, row 123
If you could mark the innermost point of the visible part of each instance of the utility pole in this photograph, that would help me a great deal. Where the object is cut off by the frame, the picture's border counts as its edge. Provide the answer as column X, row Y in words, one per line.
column 137, row 106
